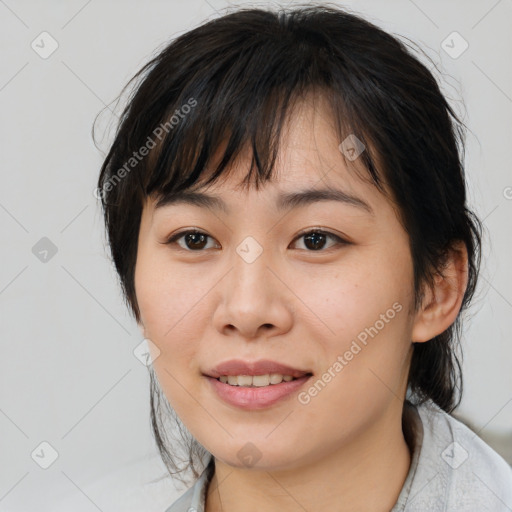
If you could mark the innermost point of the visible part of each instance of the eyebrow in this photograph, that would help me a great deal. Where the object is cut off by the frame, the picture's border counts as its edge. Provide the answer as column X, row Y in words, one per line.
column 285, row 200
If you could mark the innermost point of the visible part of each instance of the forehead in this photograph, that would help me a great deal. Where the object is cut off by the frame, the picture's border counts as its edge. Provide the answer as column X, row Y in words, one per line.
column 311, row 159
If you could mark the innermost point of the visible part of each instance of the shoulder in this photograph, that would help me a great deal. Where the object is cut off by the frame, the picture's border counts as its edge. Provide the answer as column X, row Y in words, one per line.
column 459, row 470
column 184, row 503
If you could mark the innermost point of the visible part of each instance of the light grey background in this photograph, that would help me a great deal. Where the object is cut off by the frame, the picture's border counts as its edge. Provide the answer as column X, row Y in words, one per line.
column 68, row 375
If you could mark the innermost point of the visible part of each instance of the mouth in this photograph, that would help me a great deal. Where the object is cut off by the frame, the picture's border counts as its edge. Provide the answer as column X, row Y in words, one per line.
column 255, row 385
column 258, row 381
column 257, row 373
column 256, row 397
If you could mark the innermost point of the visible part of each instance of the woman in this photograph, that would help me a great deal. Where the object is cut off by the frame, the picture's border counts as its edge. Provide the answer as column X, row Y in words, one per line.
column 285, row 202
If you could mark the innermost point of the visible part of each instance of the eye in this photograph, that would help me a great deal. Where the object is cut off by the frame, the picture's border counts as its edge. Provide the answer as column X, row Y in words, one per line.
column 315, row 239
column 194, row 240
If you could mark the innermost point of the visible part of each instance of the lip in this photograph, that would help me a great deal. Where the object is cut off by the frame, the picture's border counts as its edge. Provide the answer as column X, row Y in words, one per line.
column 251, row 398
column 261, row 367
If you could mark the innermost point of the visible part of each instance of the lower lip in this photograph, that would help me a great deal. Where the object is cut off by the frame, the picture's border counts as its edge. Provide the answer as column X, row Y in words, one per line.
column 256, row 397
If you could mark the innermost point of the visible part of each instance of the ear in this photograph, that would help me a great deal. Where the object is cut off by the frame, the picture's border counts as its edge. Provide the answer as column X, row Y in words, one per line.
column 441, row 304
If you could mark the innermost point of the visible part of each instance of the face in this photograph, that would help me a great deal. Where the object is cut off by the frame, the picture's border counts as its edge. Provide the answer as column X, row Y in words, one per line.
column 320, row 285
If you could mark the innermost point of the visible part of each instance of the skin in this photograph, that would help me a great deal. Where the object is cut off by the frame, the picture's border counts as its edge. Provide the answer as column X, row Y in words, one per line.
column 345, row 449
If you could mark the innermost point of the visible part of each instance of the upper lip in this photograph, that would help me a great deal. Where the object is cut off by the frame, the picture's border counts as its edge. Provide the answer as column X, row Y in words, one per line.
column 261, row 367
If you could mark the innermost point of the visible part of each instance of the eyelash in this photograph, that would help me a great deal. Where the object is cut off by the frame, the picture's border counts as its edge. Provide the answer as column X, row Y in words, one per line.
column 172, row 240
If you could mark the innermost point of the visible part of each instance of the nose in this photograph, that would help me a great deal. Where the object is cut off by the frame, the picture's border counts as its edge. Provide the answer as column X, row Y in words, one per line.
column 255, row 302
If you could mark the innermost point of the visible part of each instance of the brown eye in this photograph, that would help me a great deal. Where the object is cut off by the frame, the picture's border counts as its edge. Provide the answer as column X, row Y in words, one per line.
column 315, row 240
column 195, row 240
column 192, row 240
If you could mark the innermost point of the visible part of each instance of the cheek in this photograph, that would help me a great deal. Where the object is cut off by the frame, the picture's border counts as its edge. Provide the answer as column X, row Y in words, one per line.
column 165, row 295
column 166, row 303
column 174, row 307
column 352, row 294
column 363, row 307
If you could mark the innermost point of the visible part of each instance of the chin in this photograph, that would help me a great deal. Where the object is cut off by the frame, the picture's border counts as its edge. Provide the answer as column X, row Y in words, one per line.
column 258, row 457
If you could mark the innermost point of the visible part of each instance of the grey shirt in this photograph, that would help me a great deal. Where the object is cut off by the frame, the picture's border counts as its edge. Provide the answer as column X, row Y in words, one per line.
column 452, row 470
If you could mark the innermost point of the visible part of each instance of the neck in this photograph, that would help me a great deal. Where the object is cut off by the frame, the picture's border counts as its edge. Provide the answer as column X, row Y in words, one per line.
column 366, row 473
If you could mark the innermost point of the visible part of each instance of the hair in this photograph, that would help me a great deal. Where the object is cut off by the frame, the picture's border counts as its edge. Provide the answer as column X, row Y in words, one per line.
column 234, row 79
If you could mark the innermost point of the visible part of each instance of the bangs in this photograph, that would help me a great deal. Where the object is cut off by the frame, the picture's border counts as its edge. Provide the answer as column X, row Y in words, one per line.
column 206, row 148
column 239, row 103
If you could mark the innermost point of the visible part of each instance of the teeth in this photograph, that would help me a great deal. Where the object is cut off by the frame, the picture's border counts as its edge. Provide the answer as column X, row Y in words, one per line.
column 256, row 380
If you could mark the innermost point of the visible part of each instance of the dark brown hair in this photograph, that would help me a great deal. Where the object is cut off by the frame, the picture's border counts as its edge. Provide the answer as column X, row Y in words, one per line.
column 240, row 74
